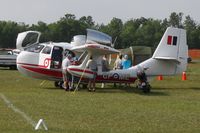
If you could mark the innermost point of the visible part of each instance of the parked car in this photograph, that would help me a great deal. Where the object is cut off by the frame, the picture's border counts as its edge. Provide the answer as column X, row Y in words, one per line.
column 8, row 58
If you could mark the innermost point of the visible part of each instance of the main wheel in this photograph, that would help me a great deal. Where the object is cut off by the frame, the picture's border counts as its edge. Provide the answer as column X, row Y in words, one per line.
column 147, row 89
column 56, row 84
column 61, row 84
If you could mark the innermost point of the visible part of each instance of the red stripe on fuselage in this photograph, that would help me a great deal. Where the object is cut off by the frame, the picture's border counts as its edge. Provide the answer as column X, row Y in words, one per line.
column 81, row 70
column 58, row 74
column 47, row 72
column 35, row 65
column 107, row 78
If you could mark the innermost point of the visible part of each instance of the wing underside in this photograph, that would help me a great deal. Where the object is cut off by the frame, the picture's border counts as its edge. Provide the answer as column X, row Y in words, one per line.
column 96, row 49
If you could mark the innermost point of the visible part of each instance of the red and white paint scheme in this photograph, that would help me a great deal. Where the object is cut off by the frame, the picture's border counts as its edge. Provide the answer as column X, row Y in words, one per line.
column 43, row 60
column 170, row 58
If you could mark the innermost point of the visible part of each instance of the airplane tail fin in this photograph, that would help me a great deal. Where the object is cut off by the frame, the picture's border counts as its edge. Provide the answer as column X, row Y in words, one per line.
column 170, row 57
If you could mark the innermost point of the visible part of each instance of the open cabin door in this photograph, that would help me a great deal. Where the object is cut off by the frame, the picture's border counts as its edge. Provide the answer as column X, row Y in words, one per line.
column 26, row 39
column 56, row 57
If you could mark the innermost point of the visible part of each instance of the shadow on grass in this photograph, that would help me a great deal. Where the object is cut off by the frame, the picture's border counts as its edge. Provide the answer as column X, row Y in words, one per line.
column 132, row 90
column 154, row 92
column 7, row 69
column 52, row 88
column 196, row 88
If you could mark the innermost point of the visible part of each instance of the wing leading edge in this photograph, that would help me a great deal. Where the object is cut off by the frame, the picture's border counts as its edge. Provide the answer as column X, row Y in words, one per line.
column 96, row 49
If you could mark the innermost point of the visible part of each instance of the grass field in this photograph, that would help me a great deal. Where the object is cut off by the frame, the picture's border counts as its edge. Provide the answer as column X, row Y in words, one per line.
column 172, row 106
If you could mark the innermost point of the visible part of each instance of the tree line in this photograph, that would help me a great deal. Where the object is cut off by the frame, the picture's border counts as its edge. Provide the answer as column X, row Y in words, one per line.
column 134, row 32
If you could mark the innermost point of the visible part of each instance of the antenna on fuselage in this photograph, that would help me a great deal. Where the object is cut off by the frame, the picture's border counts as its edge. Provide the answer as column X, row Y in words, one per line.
column 113, row 44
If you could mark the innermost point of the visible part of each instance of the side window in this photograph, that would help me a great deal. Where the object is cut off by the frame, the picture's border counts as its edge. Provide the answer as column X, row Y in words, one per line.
column 68, row 52
column 36, row 48
column 46, row 50
column 82, row 56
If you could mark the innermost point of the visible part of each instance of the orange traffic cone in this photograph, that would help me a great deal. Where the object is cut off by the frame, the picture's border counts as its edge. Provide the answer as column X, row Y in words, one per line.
column 184, row 76
column 160, row 77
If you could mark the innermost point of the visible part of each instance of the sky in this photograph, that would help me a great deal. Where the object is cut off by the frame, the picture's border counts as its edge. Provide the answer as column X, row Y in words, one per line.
column 102, row 11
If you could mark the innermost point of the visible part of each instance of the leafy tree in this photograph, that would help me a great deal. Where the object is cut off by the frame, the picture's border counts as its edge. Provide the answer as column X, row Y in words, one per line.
column 128, row 34
column 87, row 20
column 8, row 33
column 189, row 23
column 175, row 19
column 140, row 31
column 192, row 32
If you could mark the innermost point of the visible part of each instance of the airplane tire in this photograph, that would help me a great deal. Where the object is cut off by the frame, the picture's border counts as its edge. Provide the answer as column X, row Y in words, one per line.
column 84, row 86
column 56, row 84
column 61, row 84
column 147, row 89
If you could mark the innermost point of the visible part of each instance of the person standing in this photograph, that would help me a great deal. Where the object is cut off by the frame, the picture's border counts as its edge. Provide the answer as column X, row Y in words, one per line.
column 105, row 64
column 118, row 65
column 66, row 75
column 126, row 63
column 105, row 67
column 92, row 65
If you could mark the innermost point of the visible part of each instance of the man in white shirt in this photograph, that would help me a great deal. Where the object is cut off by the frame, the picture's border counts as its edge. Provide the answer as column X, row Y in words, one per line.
column 92, row 65
column 66, row 75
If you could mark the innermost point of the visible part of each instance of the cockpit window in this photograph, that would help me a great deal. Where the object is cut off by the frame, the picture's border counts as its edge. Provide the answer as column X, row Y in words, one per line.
column 82, row 56
column 31, row 38
column 67, row 52
column 47, row 50
column 36, row 48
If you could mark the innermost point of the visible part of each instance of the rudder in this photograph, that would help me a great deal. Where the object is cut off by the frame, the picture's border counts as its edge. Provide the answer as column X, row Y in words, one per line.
column 170, row 57
column 173, row 46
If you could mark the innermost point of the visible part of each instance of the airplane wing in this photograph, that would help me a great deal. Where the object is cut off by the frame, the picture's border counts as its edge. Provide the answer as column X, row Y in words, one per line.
column 96, row 49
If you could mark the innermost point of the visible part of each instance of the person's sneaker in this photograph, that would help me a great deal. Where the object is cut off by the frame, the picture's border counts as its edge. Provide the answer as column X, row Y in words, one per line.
column 89, row 89
column 67, row 88
column 71, row 89
column 93, row 90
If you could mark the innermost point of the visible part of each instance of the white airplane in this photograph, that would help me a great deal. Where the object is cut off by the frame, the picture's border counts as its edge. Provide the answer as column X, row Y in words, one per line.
column 43, row 60
column 170, row 58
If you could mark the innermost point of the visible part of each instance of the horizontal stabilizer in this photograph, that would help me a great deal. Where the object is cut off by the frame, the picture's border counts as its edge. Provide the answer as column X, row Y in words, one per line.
column 167, row 58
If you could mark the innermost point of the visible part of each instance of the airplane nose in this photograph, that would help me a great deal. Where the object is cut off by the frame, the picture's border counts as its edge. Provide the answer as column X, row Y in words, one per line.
column 26, row 58
column 21, row 61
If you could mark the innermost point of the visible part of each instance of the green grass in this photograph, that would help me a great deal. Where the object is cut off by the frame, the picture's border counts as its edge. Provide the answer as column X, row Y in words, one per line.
column 172, row 106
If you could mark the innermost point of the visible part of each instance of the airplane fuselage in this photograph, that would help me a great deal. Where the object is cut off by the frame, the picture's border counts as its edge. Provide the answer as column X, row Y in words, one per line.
column 42, row 64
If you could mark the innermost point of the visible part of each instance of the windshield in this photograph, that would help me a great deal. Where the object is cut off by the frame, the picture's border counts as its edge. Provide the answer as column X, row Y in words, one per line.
column 46, row 50
column 67, row 52
column 82, row 56
column 36, row 48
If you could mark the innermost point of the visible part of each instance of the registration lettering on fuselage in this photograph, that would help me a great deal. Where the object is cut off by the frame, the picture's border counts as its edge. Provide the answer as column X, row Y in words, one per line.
column 116, row 76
